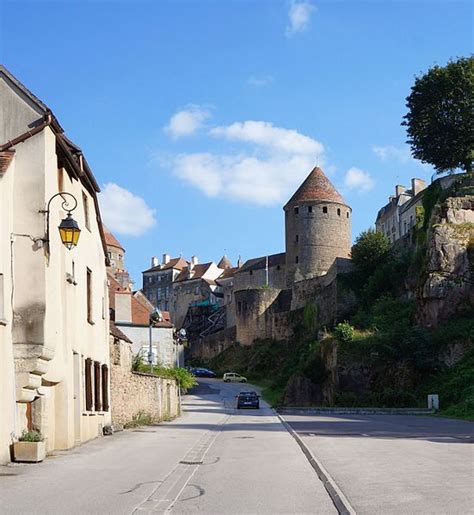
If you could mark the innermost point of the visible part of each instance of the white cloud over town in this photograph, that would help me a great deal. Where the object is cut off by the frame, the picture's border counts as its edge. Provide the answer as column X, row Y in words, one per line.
column 299, row 17
column 259, row 81
column 389, row 152
column 123, row 212
column 187, row 121
column 271, row 165
column 357, row 179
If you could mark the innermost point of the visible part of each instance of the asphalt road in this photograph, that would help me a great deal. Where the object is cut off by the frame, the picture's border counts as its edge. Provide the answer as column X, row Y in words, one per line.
column 214, row 460
column 395, row 464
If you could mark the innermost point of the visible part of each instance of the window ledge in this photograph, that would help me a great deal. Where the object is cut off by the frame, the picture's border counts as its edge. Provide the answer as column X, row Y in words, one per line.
column 3, row 321
column 91, row 322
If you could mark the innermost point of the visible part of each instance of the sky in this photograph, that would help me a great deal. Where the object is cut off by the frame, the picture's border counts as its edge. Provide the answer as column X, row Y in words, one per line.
column 200, row 118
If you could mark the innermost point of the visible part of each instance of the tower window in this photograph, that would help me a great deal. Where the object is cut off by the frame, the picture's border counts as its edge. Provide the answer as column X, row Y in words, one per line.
column 338, row 212
column 348, row 214
column 325, row 209
column 297, row 210
column 297, row 238
column 310, row 209
column 297, row 259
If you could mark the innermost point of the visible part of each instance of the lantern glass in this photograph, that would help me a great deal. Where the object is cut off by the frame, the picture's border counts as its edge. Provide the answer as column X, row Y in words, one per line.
column 69, row 232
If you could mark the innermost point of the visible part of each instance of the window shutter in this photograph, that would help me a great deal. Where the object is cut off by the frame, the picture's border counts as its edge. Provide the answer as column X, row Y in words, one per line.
column 88, row 381
column 97, row 396
column 105, row 388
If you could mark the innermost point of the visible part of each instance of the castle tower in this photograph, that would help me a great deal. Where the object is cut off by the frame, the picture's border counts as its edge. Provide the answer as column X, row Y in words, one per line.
column 317, row 228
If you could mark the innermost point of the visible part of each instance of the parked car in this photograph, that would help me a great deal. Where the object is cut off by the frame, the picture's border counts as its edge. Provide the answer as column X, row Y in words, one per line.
column 203, row 372
column 248, row 400
column 234, row 378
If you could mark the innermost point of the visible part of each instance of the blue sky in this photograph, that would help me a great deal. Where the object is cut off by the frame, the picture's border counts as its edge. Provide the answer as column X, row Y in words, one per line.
column 200, row 118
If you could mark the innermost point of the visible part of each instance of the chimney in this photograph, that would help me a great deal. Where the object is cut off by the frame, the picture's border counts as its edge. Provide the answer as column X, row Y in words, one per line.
column 166, row 259
column 239, row 262
column 417, row 185
column 399, row 189
column 154, row 262
column 194, row 260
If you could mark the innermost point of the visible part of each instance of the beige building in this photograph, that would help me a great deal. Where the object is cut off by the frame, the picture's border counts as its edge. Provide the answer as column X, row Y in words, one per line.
column 54, row 321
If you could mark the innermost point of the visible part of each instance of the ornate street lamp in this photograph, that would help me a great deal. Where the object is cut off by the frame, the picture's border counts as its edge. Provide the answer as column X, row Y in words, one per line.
column 68, row 228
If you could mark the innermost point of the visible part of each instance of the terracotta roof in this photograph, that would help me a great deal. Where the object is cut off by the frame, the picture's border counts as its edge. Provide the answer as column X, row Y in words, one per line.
column 177, row 263
column 198, row 271
column 5, row 159
column 224, row 263
column 316, row 187
column 110, row 239
column 260, row 262
column 228, row 272
column 117, row 333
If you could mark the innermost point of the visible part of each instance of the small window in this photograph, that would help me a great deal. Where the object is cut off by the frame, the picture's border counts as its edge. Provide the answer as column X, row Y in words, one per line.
column 85, row 203
column 297, row 238
column 251, row 272
column 89, row 296
column 338, row 212
column 310, row 209
column 348, row 214
column 278, row 267
column 325, row 209
column 297, row 210
column 297, row 259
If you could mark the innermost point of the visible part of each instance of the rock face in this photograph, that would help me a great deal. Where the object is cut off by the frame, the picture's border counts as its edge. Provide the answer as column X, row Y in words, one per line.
column 448, row 283
column 301, row 391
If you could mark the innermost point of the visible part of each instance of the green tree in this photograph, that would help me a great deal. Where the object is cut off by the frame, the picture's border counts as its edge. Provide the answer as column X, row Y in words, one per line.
column 370, row 249
column 439, row 121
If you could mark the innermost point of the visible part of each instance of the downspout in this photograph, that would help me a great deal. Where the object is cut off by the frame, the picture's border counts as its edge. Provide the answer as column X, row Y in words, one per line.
column 28, row 134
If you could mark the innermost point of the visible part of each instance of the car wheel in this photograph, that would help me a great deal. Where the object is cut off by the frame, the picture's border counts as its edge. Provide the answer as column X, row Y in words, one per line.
column 243, row 381
column 226, row 380
column 258, row 406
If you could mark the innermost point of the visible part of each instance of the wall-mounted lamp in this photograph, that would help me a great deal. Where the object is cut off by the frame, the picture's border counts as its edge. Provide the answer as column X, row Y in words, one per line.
column 68, row 228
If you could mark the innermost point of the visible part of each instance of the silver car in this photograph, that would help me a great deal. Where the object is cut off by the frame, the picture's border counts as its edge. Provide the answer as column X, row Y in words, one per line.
column 232, row 377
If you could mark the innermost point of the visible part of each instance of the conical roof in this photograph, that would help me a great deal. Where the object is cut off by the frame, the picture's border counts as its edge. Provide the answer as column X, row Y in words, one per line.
column 224, row 263
column 316, row 187
column 110, row 239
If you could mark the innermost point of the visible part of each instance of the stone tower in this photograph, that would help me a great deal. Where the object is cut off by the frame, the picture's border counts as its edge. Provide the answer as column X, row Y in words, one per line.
column 317, row 228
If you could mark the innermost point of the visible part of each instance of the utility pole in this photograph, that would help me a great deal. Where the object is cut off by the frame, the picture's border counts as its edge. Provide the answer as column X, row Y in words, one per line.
column 266, row 271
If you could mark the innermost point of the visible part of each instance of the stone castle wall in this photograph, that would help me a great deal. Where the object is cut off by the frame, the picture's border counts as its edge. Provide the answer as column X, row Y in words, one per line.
column 132, row 393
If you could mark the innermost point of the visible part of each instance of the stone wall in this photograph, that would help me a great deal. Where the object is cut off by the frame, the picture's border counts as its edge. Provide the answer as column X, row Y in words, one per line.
column 213, row 344
column 132, row 393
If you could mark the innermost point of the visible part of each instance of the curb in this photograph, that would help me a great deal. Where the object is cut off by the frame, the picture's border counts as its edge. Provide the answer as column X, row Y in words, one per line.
column 339, row 500
column 354, row 411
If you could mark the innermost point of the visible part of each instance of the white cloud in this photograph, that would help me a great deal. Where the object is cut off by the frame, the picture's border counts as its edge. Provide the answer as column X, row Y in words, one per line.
column 357, row 179
column 254, row 180
column 187, row 121
column 299, row 17
column 123, row 212
column 259, row 81
column 390, row 152
column 274, row 163
column 267, row 135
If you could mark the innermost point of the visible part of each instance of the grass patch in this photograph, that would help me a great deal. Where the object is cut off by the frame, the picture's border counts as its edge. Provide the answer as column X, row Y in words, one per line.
column 138, row 420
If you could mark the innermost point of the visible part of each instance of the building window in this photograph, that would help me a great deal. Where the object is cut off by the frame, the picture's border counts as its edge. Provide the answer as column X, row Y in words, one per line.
column 251, row 272
column 297, row 259
column 89, row 296
column 348, row 214
column 158, row 294
column 310, row 209
column 88, row 383
column 338, row 212
column 297, row 210
column 97, row 384
column 105, row 388
column 278, row 267
column 297, row 238
column 85, row 203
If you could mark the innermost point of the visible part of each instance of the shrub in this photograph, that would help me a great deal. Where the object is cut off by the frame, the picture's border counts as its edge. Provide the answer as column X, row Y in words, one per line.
column 370, row 249
column 30, row 436
column 344, row 332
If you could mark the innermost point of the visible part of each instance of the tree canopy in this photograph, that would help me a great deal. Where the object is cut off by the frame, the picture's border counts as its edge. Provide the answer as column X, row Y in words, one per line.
column 370, row 249
column 440, row 116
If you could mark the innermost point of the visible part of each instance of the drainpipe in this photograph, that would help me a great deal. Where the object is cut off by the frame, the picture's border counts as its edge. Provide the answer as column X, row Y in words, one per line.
column 28, row 134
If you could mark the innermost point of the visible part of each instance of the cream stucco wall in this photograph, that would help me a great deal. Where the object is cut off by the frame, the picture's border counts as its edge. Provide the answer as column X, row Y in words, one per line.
column 51, row 335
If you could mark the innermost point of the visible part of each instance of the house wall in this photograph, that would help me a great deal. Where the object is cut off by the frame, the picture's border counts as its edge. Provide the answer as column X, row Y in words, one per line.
column 51, row 334
column 162, row 342
column 133, row 393
column 7, row 370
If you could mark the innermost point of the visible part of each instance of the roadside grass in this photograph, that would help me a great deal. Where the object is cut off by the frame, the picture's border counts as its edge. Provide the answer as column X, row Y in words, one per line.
column 271, row 393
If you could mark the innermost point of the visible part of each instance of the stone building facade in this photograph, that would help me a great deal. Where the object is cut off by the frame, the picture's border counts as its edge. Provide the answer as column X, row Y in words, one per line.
column 55, row 321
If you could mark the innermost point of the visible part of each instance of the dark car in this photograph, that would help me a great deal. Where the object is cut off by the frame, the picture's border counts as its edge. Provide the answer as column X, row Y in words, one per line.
column 248, row 400
column 203, row 372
